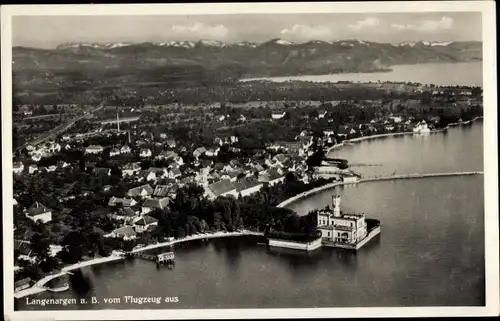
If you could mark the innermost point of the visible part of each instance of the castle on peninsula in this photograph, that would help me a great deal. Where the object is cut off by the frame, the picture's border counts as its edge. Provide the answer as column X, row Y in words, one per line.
column 345, row 230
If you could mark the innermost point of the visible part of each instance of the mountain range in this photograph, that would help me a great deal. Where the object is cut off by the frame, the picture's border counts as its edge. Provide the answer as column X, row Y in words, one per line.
column 214, row 60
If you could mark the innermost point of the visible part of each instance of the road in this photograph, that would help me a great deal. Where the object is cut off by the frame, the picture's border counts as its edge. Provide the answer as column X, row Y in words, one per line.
column 60, row 129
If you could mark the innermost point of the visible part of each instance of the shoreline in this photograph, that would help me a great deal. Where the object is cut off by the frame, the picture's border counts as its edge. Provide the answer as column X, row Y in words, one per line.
column 38, row 287
column 386, row 69
column 363, row 138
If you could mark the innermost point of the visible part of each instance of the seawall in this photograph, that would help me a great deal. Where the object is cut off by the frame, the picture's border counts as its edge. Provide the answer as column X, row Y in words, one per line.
column 309, row 246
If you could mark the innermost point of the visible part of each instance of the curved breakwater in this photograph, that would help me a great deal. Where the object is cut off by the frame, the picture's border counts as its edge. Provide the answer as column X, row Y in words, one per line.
column 372, row 179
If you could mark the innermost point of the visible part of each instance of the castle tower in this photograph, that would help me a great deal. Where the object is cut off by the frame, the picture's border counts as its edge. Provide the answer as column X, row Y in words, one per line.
column 336, row 205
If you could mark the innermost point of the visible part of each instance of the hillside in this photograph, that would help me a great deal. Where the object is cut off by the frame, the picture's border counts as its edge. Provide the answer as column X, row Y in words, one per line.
column 80, row 66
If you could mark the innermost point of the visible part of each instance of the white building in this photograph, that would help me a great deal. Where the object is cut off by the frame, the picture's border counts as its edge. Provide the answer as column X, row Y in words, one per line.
column 234, row 139
column 143, row 223
column 350, row 179
column 124, row 202
column 17, row 167
column 125, row 149
column 130, row 169
column 278, row 115
column 179, row 160
column 114, row 152
column 124, row 233
column 36, row 157
column 212, row 152
column 341, row 228
column 322, row 114
column 38, row 212
column 145, row 152
column 54, row 147
column 328, row 132
column 94, row 149
column 396, row 119
column 421, row 128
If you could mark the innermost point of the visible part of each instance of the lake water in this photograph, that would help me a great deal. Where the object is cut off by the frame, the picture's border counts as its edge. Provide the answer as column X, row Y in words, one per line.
column 466, row 73
column 432, row 153
column 430, row 251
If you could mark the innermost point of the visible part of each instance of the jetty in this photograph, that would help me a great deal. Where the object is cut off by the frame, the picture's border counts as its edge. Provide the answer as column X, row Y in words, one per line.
column 416, row 175
column 163, row 258
column 373, row 179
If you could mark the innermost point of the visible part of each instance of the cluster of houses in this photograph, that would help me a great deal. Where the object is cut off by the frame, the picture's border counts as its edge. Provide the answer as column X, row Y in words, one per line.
column 45, row 150
column 157, row 186
column 133, row 208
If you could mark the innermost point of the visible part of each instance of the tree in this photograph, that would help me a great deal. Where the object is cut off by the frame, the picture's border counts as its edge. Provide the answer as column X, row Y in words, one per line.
column 204, row 226
column 187, row 229
column 40, row 247
column 180, row 233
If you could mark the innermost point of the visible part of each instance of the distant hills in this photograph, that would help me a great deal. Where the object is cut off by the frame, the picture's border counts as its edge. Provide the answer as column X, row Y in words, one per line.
column 202, row 61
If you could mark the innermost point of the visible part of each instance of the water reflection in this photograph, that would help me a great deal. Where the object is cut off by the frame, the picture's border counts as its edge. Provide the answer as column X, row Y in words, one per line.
column 81, row 286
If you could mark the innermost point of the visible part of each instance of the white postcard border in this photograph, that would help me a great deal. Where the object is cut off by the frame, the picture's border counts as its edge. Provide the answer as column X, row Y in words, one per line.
column 490, row 160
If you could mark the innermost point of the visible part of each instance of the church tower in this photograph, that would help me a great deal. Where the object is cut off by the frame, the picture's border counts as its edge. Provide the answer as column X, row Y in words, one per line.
column 118, row 121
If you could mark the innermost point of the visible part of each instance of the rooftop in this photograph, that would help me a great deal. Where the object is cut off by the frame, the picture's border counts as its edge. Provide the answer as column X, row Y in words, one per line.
column 127, row 231
column 146, row 220
column 138, row 190
column 246, row 183
column 221, row 187
column 156, row 203
column 37, row 209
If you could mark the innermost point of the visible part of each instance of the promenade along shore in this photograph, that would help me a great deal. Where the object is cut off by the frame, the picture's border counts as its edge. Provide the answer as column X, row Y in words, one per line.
column 363, row 138
column 39, row 286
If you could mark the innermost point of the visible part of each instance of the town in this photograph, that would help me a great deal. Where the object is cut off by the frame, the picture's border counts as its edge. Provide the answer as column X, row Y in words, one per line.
column 124, row 175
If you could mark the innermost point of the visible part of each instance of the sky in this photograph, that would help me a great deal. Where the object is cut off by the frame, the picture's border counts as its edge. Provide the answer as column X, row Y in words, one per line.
column 49, row 31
